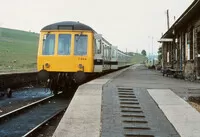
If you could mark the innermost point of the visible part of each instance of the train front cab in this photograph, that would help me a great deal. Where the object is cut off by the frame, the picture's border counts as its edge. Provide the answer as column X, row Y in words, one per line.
column 69, row 52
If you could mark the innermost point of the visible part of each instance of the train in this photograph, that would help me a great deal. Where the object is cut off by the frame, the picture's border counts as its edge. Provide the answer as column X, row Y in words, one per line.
column 70, row 51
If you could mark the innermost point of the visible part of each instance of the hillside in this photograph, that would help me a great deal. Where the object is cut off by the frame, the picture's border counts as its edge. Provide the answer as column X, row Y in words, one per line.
column 18, row 50
column 138, row 58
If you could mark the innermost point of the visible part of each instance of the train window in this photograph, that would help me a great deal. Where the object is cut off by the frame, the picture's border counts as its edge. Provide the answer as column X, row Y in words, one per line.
column 80, row 47
column 98, row 47
column 104, row 51
column 113, row 53
column 48, row 45
column 64, row 44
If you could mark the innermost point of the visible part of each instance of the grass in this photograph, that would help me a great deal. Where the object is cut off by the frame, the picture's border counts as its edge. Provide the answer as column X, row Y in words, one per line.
column 138, row 58
column 18, row 50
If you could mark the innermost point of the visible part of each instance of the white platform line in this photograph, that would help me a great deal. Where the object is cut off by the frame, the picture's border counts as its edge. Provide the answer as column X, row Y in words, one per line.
column 183, row 116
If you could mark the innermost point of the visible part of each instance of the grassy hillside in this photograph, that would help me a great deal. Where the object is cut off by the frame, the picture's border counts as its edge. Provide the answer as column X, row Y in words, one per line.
column 138, row 58
column 18, row 50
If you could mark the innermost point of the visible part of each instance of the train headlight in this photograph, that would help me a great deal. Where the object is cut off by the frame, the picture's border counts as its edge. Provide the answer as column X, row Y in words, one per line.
column 80, row 66
column 47, row 65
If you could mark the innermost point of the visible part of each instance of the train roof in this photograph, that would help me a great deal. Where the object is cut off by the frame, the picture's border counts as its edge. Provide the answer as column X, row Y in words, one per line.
column 72, row 25
column 68, row 25
column 123, row 52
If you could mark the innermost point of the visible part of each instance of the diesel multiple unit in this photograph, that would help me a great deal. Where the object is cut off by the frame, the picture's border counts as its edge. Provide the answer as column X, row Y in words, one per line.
column 72, row 51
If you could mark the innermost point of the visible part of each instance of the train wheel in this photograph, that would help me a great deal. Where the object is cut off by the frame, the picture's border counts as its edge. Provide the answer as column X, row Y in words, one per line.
column 54, row 87
column 2, row 94
column 68, row 90
column 55, row 92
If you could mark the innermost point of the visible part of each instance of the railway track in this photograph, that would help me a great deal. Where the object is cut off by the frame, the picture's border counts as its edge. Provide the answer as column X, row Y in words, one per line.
column 26, row 121
column 34, row 131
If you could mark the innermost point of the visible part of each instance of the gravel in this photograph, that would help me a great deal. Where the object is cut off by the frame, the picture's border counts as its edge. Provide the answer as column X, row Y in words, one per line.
column 49, row 129
column 195, row 105
column 20, row 124
column 194, row 101
column 21, row 98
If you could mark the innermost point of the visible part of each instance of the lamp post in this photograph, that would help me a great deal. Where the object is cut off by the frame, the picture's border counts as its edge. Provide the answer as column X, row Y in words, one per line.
column 149, row 43
column 152, row 52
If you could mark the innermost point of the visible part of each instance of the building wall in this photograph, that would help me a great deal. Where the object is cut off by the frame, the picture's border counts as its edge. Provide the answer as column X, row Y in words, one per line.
column 185, row 49
column 189, row 71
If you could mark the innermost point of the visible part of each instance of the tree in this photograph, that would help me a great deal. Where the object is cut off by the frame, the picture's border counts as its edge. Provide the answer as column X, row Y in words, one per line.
column 130, row 53
column 144, row 53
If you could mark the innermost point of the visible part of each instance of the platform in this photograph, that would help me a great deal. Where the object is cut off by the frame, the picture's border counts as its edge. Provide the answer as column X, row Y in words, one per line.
column 133, row 102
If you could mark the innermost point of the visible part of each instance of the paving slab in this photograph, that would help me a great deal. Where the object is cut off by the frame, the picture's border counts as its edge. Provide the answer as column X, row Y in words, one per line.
column 184, row 117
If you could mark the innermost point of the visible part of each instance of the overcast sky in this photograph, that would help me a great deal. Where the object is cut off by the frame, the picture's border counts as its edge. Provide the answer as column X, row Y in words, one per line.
column 125, row 23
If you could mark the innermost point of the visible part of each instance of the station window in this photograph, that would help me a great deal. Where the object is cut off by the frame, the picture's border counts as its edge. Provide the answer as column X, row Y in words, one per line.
column 64, row 44
column 80, row 47
column 48, row 44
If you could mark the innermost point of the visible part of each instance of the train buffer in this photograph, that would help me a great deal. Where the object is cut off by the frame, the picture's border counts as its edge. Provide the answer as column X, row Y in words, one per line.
column 129, row 103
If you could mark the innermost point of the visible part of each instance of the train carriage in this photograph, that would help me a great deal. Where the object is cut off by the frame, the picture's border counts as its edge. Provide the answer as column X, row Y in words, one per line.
column 114, row 56
column 72, row 51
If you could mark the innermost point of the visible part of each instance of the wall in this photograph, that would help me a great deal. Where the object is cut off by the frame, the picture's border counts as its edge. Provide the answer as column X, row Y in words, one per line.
column 189, row 71
column 16, row 80
column 191, row 67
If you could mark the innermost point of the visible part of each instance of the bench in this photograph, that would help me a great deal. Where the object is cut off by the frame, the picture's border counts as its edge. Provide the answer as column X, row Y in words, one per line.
column 174, row 72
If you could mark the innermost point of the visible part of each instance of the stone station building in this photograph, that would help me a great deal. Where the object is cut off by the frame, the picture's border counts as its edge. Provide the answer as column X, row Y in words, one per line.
column 181, row 44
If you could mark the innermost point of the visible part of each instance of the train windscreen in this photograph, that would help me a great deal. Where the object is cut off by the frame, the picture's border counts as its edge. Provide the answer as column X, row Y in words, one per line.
column 80, row 46
column 64, row 44
column 48, row 45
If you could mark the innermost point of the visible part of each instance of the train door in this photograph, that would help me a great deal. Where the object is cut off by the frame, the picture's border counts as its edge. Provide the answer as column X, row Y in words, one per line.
column 104, row 56
column 98, row 53
column 109, row 56
column 114, row 64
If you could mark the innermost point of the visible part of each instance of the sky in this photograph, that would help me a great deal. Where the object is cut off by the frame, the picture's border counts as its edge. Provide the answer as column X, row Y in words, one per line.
column 132, row 25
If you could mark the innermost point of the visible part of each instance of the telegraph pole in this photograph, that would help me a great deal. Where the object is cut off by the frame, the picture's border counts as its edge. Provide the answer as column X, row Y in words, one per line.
column 152, row 52
column 168, row 19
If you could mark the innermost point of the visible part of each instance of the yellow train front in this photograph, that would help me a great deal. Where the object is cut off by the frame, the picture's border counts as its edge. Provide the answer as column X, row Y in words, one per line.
column 69, row 52
column 65, row 53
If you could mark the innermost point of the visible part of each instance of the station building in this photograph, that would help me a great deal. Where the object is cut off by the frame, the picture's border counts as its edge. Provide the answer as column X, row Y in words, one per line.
column 181, row 44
